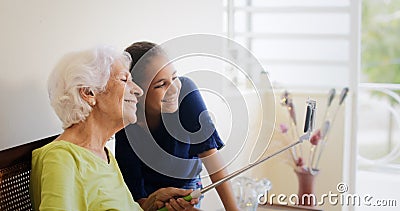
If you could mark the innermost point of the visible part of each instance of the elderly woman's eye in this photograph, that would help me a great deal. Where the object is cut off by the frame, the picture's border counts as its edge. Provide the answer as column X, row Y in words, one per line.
column 124, row 79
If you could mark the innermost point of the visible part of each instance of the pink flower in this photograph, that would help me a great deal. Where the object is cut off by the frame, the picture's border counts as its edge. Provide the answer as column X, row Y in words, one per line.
column 283, row 128
column 299, row 162
column 315, row 137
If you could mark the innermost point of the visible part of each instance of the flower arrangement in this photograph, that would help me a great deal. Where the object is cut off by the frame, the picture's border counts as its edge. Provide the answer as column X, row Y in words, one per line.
column 287, row 133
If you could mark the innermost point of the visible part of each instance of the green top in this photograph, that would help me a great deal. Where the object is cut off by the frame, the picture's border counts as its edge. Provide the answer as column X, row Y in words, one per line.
column 66, row 176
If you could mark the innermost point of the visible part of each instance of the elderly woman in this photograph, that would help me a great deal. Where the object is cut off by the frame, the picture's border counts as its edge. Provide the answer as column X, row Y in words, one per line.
column 93, row 94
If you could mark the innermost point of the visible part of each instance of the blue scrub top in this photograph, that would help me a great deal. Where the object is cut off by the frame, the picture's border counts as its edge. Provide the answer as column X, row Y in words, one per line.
column 187, row 142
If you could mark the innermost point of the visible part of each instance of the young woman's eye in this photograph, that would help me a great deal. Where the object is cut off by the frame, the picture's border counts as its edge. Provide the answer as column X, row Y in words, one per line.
column 160, row 85
column 174, row 78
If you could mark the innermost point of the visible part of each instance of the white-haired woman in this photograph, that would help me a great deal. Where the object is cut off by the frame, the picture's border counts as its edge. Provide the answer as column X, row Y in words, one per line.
column 93, row 94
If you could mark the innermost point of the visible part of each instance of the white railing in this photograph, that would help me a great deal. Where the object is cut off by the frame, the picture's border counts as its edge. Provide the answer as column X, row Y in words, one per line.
column 387, row 161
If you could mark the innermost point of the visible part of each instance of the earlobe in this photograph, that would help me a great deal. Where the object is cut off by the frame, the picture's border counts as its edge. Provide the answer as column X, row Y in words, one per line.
column 88, row 95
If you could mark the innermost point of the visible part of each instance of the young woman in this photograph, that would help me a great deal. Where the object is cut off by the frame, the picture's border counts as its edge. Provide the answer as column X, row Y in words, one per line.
column 173, row 126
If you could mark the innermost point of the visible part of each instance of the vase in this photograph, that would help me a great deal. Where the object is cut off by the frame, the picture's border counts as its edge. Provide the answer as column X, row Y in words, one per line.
column 248, row 190
column 306, row 192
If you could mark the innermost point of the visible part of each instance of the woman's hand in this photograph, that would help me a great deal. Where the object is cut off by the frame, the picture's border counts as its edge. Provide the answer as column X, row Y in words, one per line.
column 166, row 197
column 180, row 204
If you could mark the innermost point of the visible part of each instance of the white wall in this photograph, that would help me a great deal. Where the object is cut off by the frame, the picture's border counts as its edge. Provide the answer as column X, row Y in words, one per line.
column 35, row 34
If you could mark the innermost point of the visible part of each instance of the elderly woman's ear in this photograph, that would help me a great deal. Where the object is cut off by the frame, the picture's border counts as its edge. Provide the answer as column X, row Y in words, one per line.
column 88, row 95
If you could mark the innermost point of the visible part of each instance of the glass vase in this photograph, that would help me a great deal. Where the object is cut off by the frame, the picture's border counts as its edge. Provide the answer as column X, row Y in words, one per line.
column 248, row 190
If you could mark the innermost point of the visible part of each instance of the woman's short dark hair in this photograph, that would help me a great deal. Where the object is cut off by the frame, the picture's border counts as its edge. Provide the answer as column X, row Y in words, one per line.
column 138, row 49
column 144, row 52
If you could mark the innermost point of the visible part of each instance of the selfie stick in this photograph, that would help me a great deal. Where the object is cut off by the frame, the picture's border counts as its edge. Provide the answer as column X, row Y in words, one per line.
column 308, row 128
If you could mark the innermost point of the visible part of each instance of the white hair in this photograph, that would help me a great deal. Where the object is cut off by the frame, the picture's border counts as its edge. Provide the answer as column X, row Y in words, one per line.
column 83, row 69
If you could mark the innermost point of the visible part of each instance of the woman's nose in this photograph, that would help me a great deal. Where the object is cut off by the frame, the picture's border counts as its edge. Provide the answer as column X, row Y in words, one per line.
column 136, row 90
column 173, row 88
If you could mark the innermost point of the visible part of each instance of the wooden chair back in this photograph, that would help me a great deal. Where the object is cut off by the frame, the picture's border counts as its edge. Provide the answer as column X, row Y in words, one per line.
column 15, row 168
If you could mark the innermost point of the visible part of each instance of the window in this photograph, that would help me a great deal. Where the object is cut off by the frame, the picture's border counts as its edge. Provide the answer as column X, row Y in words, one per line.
column 299, row 43
column 379, row 110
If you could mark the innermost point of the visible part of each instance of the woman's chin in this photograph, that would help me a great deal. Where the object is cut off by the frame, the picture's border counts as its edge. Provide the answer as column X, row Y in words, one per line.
column 130, row 120
column 169, row 109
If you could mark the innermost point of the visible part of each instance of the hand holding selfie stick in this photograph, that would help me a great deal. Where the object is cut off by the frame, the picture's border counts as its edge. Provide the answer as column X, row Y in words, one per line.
column 308, row 128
